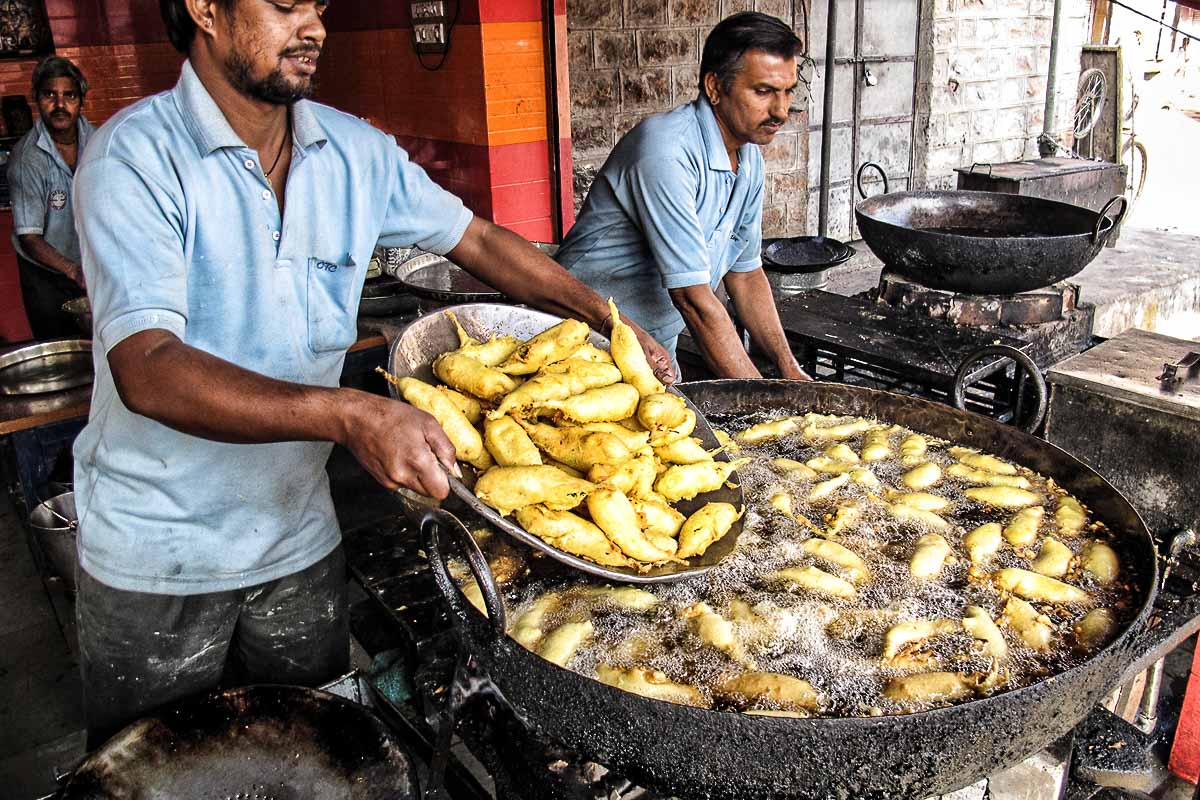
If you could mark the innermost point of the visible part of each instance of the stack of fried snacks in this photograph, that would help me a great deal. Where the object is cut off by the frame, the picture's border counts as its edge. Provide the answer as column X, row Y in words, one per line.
column 585, row 447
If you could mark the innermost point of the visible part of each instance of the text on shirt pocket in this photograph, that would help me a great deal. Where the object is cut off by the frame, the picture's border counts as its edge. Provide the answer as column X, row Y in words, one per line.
column 333, row 291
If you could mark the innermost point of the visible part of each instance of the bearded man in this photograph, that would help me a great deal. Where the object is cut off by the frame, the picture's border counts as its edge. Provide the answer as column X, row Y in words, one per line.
column 226, row 227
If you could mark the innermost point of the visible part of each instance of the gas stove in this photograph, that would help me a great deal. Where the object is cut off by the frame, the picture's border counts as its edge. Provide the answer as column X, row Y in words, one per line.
column 905, row 337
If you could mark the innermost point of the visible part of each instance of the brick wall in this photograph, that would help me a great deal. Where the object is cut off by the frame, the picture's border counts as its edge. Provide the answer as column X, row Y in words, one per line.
column 632, row 58
column 982, row 81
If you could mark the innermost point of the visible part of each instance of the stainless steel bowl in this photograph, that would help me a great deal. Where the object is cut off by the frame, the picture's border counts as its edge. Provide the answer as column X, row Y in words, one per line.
column 46, row 367
column 55, row 527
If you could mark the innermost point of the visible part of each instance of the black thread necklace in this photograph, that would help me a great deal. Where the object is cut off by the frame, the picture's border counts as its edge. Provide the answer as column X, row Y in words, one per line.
column 286, row 137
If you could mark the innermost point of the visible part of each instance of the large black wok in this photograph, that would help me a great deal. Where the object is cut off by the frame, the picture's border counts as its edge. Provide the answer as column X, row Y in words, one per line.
column 981, row 242
column 700, row 753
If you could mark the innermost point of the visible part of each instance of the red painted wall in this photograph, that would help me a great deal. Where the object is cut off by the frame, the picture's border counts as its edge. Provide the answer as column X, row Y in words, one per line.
column 478, row 125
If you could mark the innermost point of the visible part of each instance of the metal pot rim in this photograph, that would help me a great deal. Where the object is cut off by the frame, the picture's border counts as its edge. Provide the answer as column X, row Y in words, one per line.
column 870, row 207
column 1133, row 628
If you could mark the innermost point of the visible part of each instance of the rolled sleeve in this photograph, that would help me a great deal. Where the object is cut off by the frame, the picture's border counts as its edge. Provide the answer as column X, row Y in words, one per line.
column 133, row 251
column 29, row 191
column 421, row 213
column 662, row 193
column 750, row 232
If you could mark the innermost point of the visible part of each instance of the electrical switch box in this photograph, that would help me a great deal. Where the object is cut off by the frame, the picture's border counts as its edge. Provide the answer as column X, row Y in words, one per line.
column 430, row 25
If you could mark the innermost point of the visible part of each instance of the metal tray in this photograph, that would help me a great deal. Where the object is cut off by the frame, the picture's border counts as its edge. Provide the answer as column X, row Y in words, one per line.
column 433, row 277
column 802, row 254
column 412, row 355
column 384, row 296
column 46, row 367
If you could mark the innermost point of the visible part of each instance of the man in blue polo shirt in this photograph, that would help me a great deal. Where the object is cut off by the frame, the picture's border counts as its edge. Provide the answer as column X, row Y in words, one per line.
column 226, row 228
column 40, row 171
column 677, row 209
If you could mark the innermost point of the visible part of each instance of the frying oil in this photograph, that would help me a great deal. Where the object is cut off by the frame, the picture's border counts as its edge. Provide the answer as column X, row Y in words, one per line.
column 834, row 644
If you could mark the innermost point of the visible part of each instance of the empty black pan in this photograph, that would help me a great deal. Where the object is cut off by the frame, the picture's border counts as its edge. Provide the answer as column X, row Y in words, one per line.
column 801, row 254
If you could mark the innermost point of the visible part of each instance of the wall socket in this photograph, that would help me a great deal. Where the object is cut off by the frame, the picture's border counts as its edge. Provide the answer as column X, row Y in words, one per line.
column 429, row 26
column 431, row 8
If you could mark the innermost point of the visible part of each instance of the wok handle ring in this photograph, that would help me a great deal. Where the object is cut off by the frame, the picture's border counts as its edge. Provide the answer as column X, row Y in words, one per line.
column 859, row 176
column 1096, row 238
column 432, row 523
column 1023, row 362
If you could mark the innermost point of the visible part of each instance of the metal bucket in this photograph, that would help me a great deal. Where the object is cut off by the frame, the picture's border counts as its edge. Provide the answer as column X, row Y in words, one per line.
column 54, row 524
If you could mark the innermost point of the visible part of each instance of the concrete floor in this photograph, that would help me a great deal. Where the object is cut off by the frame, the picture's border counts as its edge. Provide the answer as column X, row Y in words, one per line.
column 39, row 672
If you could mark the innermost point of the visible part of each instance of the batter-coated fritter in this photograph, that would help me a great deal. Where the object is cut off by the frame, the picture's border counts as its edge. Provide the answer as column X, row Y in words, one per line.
column 571, row 534
column 615, row 515
column 467, row 375
column 706, row 526
column 629, row 357
column 551, row 345
column 508, row 488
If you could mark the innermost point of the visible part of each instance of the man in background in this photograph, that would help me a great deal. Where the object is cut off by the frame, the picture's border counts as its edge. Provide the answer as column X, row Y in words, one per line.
column 40, row 171
column 676, row 211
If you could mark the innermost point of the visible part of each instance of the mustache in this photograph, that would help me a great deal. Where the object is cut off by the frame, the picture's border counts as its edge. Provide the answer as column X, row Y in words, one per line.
column 312, row 51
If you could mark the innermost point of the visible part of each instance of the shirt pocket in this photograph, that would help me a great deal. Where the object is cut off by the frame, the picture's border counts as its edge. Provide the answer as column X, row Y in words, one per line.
column 721, row 252
column 332, row 305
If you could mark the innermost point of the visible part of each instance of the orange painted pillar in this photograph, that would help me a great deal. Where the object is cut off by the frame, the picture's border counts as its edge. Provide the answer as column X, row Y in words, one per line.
column 521, row 106
column 479, row 120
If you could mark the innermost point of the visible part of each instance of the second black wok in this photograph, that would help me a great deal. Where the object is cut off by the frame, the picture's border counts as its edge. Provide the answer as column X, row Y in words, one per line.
column 981, row 242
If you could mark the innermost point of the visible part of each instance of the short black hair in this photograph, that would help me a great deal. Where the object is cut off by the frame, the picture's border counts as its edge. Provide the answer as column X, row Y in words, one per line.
column 181, row 28
column 52, row 67
column 733, row 36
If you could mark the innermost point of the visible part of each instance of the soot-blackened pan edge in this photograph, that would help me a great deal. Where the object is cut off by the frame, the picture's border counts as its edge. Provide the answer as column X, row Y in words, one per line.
column 700, row 753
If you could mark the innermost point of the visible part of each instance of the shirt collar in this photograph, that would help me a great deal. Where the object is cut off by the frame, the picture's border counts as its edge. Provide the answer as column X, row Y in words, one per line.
column 211, row 130
column 44, row 142
column 714, row 142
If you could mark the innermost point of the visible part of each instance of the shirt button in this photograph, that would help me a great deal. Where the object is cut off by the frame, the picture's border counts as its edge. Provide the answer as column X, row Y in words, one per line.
column 249, row 163
column 275, row 235
column 266, row 194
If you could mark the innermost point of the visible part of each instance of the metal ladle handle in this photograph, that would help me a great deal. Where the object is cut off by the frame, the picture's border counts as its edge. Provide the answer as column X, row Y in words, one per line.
column 70, row 523
column 859, row 176
column 433, row 522
column 1023, row 362
column 1104, row 215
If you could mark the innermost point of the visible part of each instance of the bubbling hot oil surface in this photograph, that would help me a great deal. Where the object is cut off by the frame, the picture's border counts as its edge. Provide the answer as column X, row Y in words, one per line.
column 834, row 644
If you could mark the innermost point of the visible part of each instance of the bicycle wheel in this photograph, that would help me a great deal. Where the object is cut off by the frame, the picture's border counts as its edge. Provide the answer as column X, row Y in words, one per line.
column 1089, row 101
column 1135, row 158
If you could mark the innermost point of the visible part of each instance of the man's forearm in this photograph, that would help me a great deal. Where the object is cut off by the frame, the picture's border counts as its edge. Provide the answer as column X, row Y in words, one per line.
column 509, row 264
column 714, row 332
column 755, row 305
column 37, row 248
column 160, row 377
